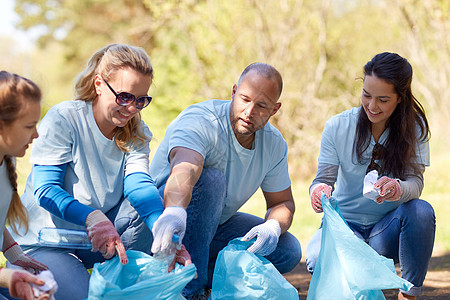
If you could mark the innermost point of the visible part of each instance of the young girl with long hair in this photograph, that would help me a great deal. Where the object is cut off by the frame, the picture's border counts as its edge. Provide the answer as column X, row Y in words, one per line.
column 20, row 110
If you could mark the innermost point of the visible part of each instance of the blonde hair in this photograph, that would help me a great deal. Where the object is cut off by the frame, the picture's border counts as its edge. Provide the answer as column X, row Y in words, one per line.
column 15, row 90
column 106, row 62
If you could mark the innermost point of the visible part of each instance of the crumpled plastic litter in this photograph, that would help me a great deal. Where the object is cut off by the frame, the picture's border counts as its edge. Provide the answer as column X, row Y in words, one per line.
column 368, row 190
column 50, row 287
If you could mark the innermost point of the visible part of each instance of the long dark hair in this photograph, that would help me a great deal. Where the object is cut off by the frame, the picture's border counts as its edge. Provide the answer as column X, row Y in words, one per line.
column 408, row 125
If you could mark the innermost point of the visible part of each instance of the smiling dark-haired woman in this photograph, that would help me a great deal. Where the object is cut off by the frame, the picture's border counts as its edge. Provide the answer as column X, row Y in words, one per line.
column 389, row 133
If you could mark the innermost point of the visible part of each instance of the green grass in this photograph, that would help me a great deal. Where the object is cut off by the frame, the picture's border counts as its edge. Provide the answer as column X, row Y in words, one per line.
column 437, row 189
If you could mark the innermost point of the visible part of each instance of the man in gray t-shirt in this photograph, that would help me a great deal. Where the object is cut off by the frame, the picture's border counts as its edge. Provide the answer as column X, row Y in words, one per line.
column 213, row 158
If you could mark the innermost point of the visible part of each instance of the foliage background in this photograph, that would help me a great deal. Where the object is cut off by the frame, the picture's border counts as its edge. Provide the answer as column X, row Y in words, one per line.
column 199, row 48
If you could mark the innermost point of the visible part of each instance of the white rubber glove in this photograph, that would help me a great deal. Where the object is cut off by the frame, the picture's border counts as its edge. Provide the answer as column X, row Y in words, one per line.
column 267, row 235
column 16, row 256
column 171, row 221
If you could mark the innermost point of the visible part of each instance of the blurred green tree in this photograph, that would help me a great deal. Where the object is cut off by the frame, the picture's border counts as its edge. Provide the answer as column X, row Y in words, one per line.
column 199, row 47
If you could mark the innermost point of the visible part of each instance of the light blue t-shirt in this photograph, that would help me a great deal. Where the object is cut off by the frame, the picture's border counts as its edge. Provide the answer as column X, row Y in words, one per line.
column 5, row 198
column 205, row 127
column 69, row 134
column 337, row 149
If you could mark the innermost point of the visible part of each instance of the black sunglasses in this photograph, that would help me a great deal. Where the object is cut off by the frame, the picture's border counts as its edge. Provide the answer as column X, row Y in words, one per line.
column 125, row 99
column 377, row 153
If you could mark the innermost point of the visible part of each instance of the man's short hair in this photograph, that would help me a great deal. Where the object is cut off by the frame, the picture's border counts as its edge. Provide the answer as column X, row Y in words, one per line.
column 264, row 70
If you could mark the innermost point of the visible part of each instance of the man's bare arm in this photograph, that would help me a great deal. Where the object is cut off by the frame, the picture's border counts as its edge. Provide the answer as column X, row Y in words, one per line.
column 186, row 167
column 281, row 207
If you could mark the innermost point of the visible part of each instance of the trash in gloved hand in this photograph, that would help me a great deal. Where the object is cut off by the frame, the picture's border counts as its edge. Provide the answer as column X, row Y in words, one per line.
column 50, row 287
column 368, row 190
column 168, row 255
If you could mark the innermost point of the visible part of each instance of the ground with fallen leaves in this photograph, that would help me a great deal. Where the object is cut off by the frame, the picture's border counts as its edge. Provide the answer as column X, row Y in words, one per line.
column 436, row 285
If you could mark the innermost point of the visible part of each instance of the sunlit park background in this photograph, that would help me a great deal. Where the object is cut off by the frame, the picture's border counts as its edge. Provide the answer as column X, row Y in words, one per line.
column 199, row 48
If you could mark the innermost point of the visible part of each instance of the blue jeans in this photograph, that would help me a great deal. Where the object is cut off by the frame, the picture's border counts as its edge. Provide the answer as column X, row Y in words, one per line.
column 405, row 235
column 4, row 294
column 204, row 236
column 69, row 266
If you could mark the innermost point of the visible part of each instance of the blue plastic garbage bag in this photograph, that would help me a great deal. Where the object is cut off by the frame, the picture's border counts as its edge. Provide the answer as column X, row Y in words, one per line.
column 240, row 274
column 347, row 267
column 144, row 277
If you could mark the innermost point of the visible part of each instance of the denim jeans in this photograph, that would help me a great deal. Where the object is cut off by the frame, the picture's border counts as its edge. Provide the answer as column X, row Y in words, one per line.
column 405, row 235
column 69, row 266
column 204, row 236
column 4, row 294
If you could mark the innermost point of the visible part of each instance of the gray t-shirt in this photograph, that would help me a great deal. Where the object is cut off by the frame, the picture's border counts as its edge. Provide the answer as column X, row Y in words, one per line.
column 205, row 127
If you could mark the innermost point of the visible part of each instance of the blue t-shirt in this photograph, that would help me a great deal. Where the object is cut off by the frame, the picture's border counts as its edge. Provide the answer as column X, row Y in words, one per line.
column 96, row 167
column 205, row 127
column 337, row 149
column 5, row 197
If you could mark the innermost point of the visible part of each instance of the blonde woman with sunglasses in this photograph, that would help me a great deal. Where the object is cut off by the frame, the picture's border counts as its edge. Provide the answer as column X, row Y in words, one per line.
column 90, row 169
column 389, row 133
